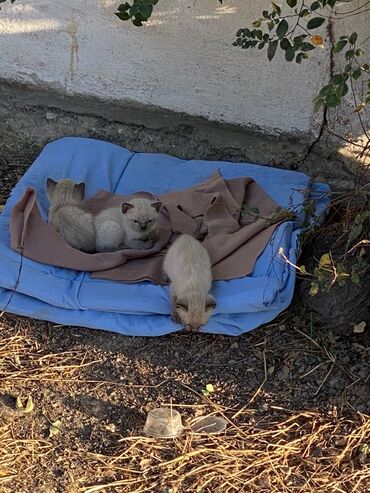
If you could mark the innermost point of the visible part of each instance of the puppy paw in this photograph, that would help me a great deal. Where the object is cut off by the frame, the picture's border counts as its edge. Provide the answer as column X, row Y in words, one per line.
column 175, row 318
column 148, row 244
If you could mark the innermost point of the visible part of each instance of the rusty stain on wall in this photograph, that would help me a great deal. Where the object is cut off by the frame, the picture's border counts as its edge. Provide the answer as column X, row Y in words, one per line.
column 72, row 29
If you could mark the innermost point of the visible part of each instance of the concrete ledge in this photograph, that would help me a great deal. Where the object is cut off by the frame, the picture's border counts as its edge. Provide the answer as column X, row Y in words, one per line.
column 32, row 116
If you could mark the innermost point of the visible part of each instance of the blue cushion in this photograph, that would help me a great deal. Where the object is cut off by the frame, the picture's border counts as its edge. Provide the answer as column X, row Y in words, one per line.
column 72, row 298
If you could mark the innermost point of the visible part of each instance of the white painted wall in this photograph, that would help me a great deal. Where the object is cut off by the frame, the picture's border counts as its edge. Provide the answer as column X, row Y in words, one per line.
column 182, row 60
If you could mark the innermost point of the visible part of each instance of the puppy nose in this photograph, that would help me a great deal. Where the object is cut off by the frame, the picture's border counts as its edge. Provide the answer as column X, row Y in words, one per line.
column 143, row 226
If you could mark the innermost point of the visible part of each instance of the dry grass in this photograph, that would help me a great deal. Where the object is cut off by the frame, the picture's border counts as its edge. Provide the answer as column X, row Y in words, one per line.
column 19, row 456
column 23, row 358
column 306, row 452
column 281, row 451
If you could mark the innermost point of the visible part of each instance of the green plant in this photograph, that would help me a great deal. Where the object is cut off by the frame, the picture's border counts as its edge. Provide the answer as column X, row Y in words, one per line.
column 138, row 11
column 293, row 32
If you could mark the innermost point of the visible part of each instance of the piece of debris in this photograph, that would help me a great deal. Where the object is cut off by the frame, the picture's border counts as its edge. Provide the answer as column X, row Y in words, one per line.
column 359, row 328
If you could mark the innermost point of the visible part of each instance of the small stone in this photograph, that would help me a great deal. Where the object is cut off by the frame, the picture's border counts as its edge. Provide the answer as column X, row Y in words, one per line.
column 111, row 427
column 364, row 372
column 50, row 116
column 7, row 414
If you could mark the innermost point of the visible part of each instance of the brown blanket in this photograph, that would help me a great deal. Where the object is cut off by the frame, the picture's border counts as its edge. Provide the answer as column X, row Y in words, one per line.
column 233, row 218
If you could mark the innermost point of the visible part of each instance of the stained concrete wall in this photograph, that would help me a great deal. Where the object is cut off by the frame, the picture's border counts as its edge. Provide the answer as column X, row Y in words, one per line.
column 182, row 60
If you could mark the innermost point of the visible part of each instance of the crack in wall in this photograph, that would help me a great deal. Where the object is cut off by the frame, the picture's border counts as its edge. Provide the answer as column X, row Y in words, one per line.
column 324, row 121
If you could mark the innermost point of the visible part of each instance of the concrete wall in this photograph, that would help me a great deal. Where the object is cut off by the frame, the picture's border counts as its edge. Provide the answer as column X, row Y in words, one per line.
column 183, row 60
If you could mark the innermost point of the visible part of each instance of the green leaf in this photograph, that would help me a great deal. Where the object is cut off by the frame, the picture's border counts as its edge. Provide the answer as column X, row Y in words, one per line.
column 259, row 34
column 306, row 47
column 270, row 25
column 315, row 5
column 337, row 79
column 324, row 260
column 331, row 3
column 318, row 103
column 246, row 45
column 326, row 90
column 282, row 28
column 314, row 289
column 134, row 9
column 210, row 388
column 349, row 54
column 304, row 12
column 342, row 90
column 123, row 7
column 364, row 447
column 137, row 22
column 332, row 101
column 271, row 50
column 353, row 38
column 299, row 39
column 355, row 278
column 299, row 58
column 285, row 44
column 261, row 45
column 276, row 7
column 146, row 11
column 365, row 67
column 302, row 269
column 124, row 16
column 359, row 52
column 257, row 23
column 289, row 54
column 315, row 22
column 356, row 74
column 266, row 14
column 291, row 3
column 339, row 45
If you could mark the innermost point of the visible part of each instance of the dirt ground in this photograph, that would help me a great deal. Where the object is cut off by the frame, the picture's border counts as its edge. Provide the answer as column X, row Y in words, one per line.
column 296, row 395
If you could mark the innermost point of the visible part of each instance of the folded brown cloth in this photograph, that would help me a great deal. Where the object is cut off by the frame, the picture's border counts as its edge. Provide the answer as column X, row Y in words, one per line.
column 234, row 219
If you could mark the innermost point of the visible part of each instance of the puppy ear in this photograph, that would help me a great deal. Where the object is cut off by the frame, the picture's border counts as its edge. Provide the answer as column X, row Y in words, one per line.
column 126, row 206
column 210, row 302
column 50, row 187
column 181, row 304
column 80, row 187
column 156, row 205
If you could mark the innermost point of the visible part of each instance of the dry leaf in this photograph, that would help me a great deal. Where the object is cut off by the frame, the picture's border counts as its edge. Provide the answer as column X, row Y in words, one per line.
column 111, row 427
column 359, row 328
column 317, row 40
column 55, row 428
column 29, row 405
column 18, row 403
